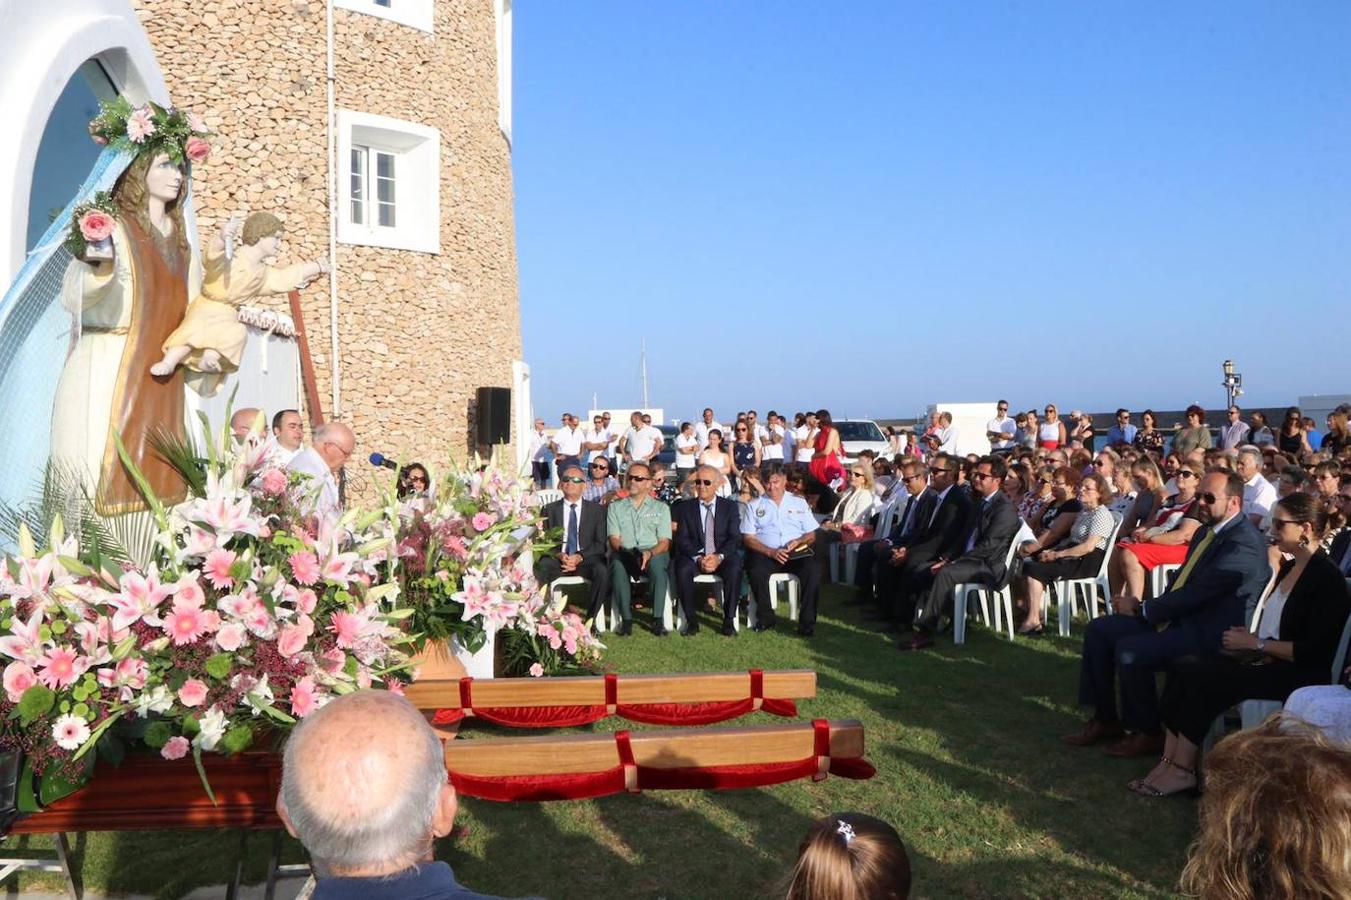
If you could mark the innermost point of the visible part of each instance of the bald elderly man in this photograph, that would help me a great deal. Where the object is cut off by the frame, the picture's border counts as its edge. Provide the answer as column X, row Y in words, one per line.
column 334, row 444
column 242, row 422
column 364, row 788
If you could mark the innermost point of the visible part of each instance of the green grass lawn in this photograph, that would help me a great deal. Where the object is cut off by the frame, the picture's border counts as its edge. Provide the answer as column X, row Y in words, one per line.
column 969, row 770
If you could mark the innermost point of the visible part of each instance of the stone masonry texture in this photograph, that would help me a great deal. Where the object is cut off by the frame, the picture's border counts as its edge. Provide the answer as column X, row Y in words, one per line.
column 418, row 332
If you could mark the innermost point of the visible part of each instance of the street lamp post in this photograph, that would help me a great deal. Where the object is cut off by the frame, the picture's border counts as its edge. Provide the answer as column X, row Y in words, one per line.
column 1233, row 381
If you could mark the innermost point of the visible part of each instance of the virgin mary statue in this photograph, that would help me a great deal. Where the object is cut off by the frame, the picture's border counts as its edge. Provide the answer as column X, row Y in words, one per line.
column 126, row 301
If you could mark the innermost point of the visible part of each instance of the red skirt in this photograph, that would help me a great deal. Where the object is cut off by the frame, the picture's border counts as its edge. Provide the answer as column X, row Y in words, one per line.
column 827, row 469
column 1152, row 556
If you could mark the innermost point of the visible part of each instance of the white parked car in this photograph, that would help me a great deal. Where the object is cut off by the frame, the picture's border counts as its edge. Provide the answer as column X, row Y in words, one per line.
column 857, row 435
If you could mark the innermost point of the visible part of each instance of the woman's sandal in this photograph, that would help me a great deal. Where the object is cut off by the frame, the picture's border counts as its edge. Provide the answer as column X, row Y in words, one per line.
column 1148, row 790
column 1136, row 784
column 1031, row 632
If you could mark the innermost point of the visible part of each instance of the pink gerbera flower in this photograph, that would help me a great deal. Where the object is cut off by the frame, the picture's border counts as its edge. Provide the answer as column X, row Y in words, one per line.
column 304, row 567
column 347, row 626
column 140, row 125
column 61, row 667
column 304, row 699
column 177, row 748
column 217, row 568
column 186, row 623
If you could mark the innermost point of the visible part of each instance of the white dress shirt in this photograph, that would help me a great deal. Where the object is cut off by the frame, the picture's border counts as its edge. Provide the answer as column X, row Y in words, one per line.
column 804, row 435
column 596, row 436
column 771, row 449
column 701, row 433
column 639, row 443
column 1258, row 498
column 321, row 495
column 686, row 460
column 1007, row 426
column 539, row 446
column 568, row 441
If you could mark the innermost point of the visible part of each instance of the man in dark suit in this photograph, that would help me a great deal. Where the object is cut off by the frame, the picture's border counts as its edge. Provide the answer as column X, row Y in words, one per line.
column 984, row 553
column 912, row 482
column 1340, row 551
column 582, row 551
column 1222, row 577
column 707, row 540
column 942, row 536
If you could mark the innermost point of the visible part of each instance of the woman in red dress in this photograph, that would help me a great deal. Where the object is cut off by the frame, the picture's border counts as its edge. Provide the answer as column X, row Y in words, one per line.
column 826, row 466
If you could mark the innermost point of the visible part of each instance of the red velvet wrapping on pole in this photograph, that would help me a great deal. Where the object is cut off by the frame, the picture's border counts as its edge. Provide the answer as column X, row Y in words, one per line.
column 631, row 777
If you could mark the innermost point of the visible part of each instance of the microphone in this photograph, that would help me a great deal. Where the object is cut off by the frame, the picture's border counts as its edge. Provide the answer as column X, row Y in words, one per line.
column 378, row 459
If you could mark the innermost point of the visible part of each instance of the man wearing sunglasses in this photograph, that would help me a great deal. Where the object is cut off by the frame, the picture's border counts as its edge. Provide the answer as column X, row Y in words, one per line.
column 639, row 528
column 707, row 541
column 1218, row 586
column 983, row 555
column 603, row 486
column 905, row 576
column 581, row 551
column 910, row 507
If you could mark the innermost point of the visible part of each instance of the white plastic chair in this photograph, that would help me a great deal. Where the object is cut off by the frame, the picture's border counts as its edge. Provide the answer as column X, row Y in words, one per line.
column 1158, row 578
column 555, row 598
column 548, row 495
column 669, row 619
column 716, row 581
column 1067, row 589
column 1002, row 596
column 777, row 580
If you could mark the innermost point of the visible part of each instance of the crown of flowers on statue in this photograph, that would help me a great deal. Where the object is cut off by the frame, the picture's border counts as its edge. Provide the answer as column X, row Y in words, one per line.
column 151, row 128
column 144, row 129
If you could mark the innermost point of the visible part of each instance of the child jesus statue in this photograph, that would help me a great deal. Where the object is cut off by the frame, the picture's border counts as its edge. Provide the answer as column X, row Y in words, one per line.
column 210, row 339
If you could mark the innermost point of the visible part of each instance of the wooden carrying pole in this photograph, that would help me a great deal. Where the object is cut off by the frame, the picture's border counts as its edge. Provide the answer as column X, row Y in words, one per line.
column 666, row 749
column 316, row 410
column 789, row 684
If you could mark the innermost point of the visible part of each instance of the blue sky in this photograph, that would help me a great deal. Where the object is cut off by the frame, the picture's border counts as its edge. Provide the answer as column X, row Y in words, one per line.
column 874, row 206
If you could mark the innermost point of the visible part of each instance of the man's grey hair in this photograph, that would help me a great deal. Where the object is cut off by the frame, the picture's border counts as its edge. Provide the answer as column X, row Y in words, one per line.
column 396, row 829
column 326, row 431
column 1252, row 451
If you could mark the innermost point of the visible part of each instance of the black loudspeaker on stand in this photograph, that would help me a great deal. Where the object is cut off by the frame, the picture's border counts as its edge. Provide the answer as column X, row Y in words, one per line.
column 494, row 415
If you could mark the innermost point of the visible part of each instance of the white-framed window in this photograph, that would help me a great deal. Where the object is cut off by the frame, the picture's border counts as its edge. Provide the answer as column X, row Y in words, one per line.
column 502, row 9
column 389, row 182
column 413, row 13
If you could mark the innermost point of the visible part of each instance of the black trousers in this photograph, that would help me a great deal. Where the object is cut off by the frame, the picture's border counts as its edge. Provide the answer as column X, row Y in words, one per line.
column 1197, row 692
column 808, row 570
column 900, row 588
column 730, row 572
column 540, row 472
column 1129, row 648
column 867, row 560
column 938, row 600
column 595, row 570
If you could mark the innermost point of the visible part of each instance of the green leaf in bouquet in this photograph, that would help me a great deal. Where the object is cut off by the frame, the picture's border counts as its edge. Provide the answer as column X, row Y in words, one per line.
column 473, row 641
column 201, row 773
column 75, row 567
column 123, row 648
column 237, row 739
column 56, row 782
column 26, row 797
column 350, row 667
column 344, row 598
column 270, row 710
column 157, row 734
column 138, row 478
column 218, row 666
column 97, row 734
column 176, row 679
column 112, row 749
column 398, row 615
column 35, row 703
column 190, row 726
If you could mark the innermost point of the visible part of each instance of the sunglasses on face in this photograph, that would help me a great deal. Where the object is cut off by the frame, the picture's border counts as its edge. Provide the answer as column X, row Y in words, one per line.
column 1098, row 464
column 1183, row 473
column 639, row 478
column 1208, row 498
column 857, row 474
column 601, row 466
column 980, row 475
column 705, row 482
column 572, row 479
column 1281, row 523
column 937, row 471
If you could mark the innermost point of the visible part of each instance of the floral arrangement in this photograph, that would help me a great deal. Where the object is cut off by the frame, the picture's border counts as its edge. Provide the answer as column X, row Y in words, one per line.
column 151, row 128
column 466, row 562
column 91, row 222
column 253, row 613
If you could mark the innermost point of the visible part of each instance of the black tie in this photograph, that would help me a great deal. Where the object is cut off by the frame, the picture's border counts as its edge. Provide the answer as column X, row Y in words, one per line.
column 905, row 516
column 572, row 529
